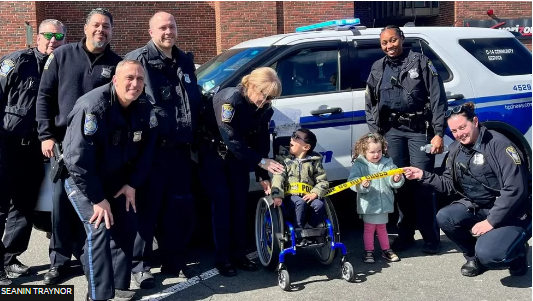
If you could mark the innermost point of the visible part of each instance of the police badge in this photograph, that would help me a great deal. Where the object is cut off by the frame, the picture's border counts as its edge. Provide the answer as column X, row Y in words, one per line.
column 91, row 125
column 106, row 72
column 187, row 78
column 153, row 119
column 227, row 112
column 413, row 73
column 137, row 136
column 478, row 159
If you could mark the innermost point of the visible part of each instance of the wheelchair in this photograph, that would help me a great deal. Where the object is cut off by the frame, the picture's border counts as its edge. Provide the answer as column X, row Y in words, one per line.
column 276, row 237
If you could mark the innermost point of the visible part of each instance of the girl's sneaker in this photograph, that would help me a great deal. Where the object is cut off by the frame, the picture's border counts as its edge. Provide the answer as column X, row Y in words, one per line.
column 390, row 255
column 369, row 257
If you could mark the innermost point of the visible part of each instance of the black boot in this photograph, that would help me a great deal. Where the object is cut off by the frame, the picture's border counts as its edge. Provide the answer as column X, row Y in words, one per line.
column 472, row 268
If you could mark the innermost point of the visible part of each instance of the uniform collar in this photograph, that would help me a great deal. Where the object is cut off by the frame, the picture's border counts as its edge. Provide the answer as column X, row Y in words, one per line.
column 155, row 54
column 82, row 45
column 477, row 145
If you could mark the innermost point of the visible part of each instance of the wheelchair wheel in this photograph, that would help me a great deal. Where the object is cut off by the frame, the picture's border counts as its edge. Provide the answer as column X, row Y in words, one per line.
column 268, row 230
column 325, row 254
column 347, row 271
column 284, row 280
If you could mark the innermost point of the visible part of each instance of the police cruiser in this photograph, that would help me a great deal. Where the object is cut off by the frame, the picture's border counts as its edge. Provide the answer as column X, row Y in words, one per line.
column 323, row 69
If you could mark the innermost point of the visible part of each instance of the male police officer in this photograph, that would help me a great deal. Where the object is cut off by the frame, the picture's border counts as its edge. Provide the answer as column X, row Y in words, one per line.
column 109, row 147
column 70, row 72
column 171, row 86
column 406, row 101
column 21, row 161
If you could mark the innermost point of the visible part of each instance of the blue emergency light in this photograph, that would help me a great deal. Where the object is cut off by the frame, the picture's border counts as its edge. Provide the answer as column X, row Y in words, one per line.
column 327, row 24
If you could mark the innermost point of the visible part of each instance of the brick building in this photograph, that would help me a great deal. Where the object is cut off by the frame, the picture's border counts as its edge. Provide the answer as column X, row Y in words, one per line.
column 209, row 27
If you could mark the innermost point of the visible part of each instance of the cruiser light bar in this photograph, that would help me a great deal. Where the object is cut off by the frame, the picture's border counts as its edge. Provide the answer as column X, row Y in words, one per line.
column 327, row 24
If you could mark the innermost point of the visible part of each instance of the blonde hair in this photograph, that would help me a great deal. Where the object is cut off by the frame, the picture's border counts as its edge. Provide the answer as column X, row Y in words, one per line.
column 361, row 146
column 265, row 79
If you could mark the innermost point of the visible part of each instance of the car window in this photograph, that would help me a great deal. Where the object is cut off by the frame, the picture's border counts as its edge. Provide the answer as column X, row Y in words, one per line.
column 309, row 71
column 368, row 53
column 503, row 56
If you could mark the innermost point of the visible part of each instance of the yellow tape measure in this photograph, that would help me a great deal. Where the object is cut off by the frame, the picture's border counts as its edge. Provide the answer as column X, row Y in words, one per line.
column 302, row 188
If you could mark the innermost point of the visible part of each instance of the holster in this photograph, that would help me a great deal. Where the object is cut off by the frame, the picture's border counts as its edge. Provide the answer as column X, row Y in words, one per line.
column 58, row 165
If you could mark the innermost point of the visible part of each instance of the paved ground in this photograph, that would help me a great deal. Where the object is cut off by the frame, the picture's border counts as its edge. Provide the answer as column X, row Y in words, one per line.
column 416, row 277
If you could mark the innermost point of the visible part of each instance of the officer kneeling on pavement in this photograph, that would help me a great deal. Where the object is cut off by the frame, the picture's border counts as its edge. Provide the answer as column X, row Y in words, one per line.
column 108, row 148
column 488, row 171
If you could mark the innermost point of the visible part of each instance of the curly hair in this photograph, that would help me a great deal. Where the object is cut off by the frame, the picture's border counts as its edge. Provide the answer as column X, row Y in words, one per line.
column 361, row 146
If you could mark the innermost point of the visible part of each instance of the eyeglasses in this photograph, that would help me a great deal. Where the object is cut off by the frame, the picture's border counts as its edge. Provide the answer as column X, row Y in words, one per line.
column 268, row 97
column 458, row 110
column 49, row 35
column 296, row 137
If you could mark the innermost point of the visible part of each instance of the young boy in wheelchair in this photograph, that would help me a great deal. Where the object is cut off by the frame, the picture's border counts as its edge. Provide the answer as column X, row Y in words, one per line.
column 304, row 166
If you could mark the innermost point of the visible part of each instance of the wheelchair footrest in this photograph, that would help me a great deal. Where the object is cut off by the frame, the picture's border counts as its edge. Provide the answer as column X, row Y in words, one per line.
column 315, row 232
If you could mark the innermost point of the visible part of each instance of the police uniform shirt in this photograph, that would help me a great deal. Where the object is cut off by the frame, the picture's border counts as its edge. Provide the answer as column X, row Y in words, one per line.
column 478, row 172
column 391, row 95
column 243, row 127
column 20, row 74
column 172, row 88
column 103, row 140
column 68, row 74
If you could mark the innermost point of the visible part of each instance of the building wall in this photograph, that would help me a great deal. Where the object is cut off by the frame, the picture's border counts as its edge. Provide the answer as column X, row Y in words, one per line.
column 12, row 26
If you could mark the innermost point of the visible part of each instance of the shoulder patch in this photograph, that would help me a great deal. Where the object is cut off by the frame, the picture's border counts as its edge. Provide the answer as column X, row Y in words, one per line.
column 91, row 124
column 227, row 112
column 48, row 61
column 153, row 119
column 432, row 68
column 6, row 67
column 511, row 151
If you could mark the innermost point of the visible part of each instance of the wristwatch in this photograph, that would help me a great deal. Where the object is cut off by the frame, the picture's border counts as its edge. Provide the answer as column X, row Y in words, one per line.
column 263, row 161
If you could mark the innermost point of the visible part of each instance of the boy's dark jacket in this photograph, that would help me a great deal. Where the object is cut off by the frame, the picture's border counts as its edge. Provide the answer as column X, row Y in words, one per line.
column 309, row 171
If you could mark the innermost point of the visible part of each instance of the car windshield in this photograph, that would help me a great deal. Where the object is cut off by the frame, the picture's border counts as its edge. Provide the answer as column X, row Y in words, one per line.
column 214, row 72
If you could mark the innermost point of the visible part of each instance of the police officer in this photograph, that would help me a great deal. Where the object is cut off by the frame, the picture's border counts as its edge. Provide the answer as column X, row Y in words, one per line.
column 109, row 146
column 405, row 101
column 236, row 140
column 70, row 72
column 166, row 201
column 490, row 174
column 21, row 161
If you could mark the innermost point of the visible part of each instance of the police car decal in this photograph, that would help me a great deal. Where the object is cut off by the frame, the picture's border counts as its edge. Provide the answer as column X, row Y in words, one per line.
column 91, row 125
column 6, row 67
column 227, row 112
column 48, row 61
column 511, row 151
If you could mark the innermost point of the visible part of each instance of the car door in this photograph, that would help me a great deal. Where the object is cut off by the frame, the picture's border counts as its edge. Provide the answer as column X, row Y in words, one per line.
column 365, row 50
column 316, row 96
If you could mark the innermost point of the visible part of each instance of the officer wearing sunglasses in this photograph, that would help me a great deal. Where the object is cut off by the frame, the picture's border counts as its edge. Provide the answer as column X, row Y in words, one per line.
column 236, row 141
column 21, row 162
column 491, row 178
column 405, row 102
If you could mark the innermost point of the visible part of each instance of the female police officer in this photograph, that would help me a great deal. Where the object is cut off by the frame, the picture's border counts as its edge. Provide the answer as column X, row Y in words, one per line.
column 237, row 142
column 397, row 106
column 487, row 170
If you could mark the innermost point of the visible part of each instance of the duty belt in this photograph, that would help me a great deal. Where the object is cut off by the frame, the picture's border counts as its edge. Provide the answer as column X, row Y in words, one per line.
column 219, row 146
column 414, row 121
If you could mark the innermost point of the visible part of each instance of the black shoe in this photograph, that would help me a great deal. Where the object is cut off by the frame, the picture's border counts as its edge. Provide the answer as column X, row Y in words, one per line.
column 3, row 278
column 184, row 272
column 431, row 248
column 402, row 244
column 472, row 268
column 144, row 280
column 245, row 264
column 55, row 275
column 519, row 266
column 226, row 269
column 123, row 295
column 17, row 269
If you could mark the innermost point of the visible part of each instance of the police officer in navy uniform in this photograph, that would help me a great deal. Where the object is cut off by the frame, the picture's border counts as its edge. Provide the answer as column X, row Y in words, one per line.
column 406, row 101
column 109, row 145
column 21, row 161
column 237, row 140
column 492, row 178
column 70, row 72
column 166, row 202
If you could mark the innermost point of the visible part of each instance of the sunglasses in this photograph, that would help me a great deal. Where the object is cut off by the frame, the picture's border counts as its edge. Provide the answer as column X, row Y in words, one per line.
column 268, row 97
column 296, row 137
column 49, row 35
column 457, row 110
